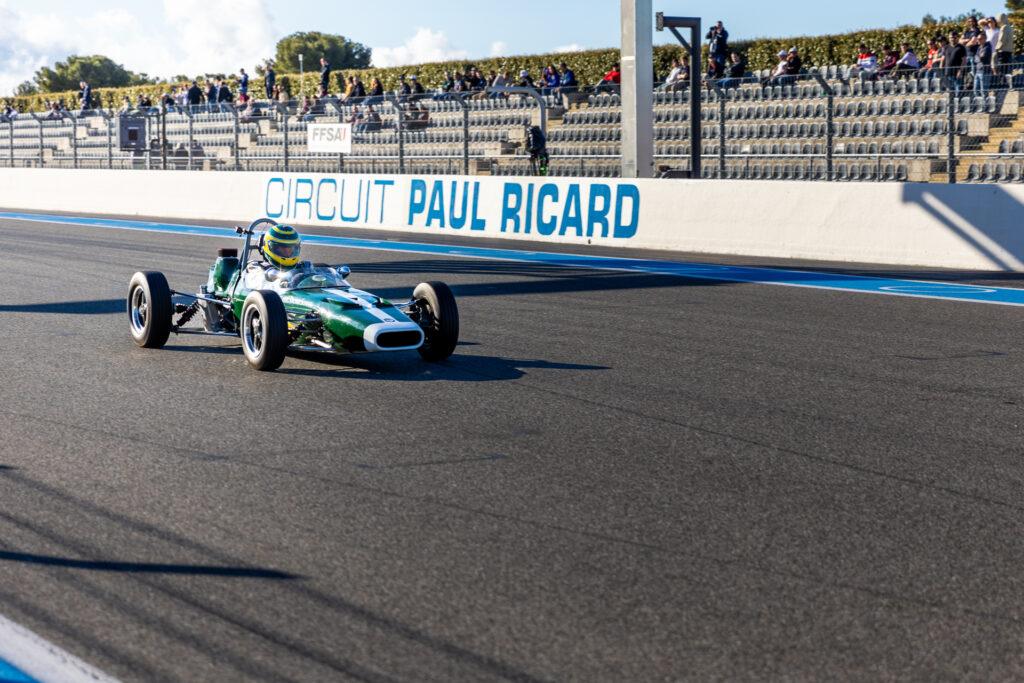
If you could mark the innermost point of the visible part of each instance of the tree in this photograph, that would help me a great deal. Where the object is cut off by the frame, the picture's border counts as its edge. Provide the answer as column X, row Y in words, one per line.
column 339, row 51
column 1015, row 7
column 97, row 70
column 929, row 20
column 25, row 89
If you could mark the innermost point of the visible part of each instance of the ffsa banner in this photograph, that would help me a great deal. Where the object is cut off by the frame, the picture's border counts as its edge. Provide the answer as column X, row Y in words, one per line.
column 329, row 137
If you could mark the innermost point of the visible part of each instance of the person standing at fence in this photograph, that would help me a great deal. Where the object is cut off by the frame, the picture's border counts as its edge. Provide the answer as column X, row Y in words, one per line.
column 224, row 96
column 84, row 96
column 718, row 45
column 269, row 79
column 325, row 76
column 194, row 96
column 211, row 95
column 982, row 65
column 1004, row 46
column 243, row 82
column 955, row 60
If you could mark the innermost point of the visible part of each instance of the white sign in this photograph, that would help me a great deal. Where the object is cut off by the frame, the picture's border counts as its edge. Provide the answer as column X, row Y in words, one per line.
column 329, row 137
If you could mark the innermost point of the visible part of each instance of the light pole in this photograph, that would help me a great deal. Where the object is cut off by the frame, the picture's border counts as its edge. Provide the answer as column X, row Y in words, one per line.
column 302, row 88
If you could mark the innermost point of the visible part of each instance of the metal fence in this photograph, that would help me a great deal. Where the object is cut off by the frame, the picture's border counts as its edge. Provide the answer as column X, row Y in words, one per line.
column 828, row 124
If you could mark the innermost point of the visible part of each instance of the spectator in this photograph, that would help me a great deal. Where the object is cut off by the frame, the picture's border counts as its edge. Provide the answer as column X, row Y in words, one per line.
column 525, row 81
column 449, row 82
column 11, row 113
column 325, row 75
column 376, row 94
column 282, row 95
column 790, row 70
column 404, row 90
column 954, row 60
column 907, row 64
column 714, row 71
column 779, row 70
column 358, row 91
column 194, row 96
column 611, row 81
column 167, row 102
column 54, row 114
column 248, row 110
column 350, row 85
column 867, row 63
column 675, row 77
column 1004, row 46
column 549, row 79
column 737, row 70
column 888, row 63
column 84, row 96
column 460, row 84
column 982, row 64
column 928, row 70
column 224, row 96
column 417, row 88
column 243, row 82
column 498, row 81
column 179, row 96
column 718, row 48
column 971, row 31
column 126, row 106
column 269, row 82
column 567, row 83
column 211, row 95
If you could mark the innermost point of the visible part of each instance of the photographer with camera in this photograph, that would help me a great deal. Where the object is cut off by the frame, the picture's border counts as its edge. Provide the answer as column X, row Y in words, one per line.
column 536, row 145
column 718, row 47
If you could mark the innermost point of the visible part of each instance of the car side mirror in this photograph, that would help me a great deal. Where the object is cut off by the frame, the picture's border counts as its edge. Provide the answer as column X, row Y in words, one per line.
column 344, row 271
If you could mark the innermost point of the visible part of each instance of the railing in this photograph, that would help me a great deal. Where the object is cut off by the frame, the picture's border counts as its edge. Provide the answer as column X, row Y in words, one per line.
column 820, row 126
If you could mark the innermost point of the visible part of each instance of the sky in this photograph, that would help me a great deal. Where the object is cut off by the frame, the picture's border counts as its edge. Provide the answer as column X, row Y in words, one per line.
column 192, row 37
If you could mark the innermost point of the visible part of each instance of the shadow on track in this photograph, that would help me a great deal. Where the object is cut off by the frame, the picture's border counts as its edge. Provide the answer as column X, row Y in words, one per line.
column 409, row 367
column 145, row 567
column 97, row 307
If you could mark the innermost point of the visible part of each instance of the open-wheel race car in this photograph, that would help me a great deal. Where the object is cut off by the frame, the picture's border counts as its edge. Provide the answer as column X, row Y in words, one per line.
column 275, row 302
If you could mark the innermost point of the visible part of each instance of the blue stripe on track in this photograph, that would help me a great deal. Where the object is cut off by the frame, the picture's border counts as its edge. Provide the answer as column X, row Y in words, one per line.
column 768, row 276
column 8, row 674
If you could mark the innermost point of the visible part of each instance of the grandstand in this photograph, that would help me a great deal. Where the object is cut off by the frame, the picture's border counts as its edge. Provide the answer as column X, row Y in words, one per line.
column 863, row 130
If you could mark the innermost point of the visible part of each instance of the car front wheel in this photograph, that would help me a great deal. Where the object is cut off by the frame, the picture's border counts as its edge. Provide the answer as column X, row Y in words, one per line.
column 439, row 318
column 149, row 309
column 264, row 330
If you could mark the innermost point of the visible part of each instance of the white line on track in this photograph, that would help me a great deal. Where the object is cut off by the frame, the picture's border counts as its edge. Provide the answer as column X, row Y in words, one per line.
column 42, row 660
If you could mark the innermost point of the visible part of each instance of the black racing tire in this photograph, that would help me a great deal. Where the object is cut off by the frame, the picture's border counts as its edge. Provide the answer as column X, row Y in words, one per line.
column 264, row 330
column 438, row 309
column 149, row 309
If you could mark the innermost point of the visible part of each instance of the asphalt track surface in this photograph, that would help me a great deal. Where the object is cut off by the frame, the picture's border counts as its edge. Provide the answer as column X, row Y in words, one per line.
column 617, row 477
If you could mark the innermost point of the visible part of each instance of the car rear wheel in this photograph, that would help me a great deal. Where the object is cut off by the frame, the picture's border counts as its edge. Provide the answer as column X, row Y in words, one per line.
column 149, row 309
column 439, row 318
column 264, row 330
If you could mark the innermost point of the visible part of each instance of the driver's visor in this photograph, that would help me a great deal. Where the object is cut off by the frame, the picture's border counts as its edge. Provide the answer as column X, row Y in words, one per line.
column 285, row 250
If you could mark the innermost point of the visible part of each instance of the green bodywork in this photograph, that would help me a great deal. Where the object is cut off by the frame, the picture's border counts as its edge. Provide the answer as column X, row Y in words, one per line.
column 322, row 306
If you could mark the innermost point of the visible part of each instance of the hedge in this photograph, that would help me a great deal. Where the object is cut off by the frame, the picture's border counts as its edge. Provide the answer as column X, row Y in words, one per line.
column 589, row 66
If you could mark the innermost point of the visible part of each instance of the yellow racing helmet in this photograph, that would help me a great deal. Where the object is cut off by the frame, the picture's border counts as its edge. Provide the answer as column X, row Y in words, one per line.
column 281, row 246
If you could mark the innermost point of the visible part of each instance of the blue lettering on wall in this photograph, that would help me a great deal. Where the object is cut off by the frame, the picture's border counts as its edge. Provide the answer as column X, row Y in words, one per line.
column 417, row 198
column 546, row 226
column 572, row 216
column 436, row 210
column 477, row 223
column 455, row 220
column 320, row 197
column 528, row 224
column 278, row 203
column 341, row 203
column 597, row 216
column 510, row 209
column 632, row 193
column 307, row 199
column 384, row 185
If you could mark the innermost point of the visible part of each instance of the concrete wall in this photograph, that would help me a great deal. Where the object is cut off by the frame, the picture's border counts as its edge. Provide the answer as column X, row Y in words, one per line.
column 954, row 226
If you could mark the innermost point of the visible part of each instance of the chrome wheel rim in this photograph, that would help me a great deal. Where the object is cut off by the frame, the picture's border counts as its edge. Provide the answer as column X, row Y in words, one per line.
column 139, row 310
column 253, row 332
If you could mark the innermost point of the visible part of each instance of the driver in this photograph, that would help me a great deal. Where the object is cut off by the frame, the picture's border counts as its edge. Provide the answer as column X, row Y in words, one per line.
column 281, row 247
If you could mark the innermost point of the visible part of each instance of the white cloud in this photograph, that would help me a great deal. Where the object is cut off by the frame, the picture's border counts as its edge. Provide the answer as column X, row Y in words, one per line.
column 569, row 48
column 499, row 48
column 425, row 46
column 188, row 37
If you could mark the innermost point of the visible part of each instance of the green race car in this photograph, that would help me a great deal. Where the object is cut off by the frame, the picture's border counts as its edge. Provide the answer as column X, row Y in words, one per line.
column 302, row 306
